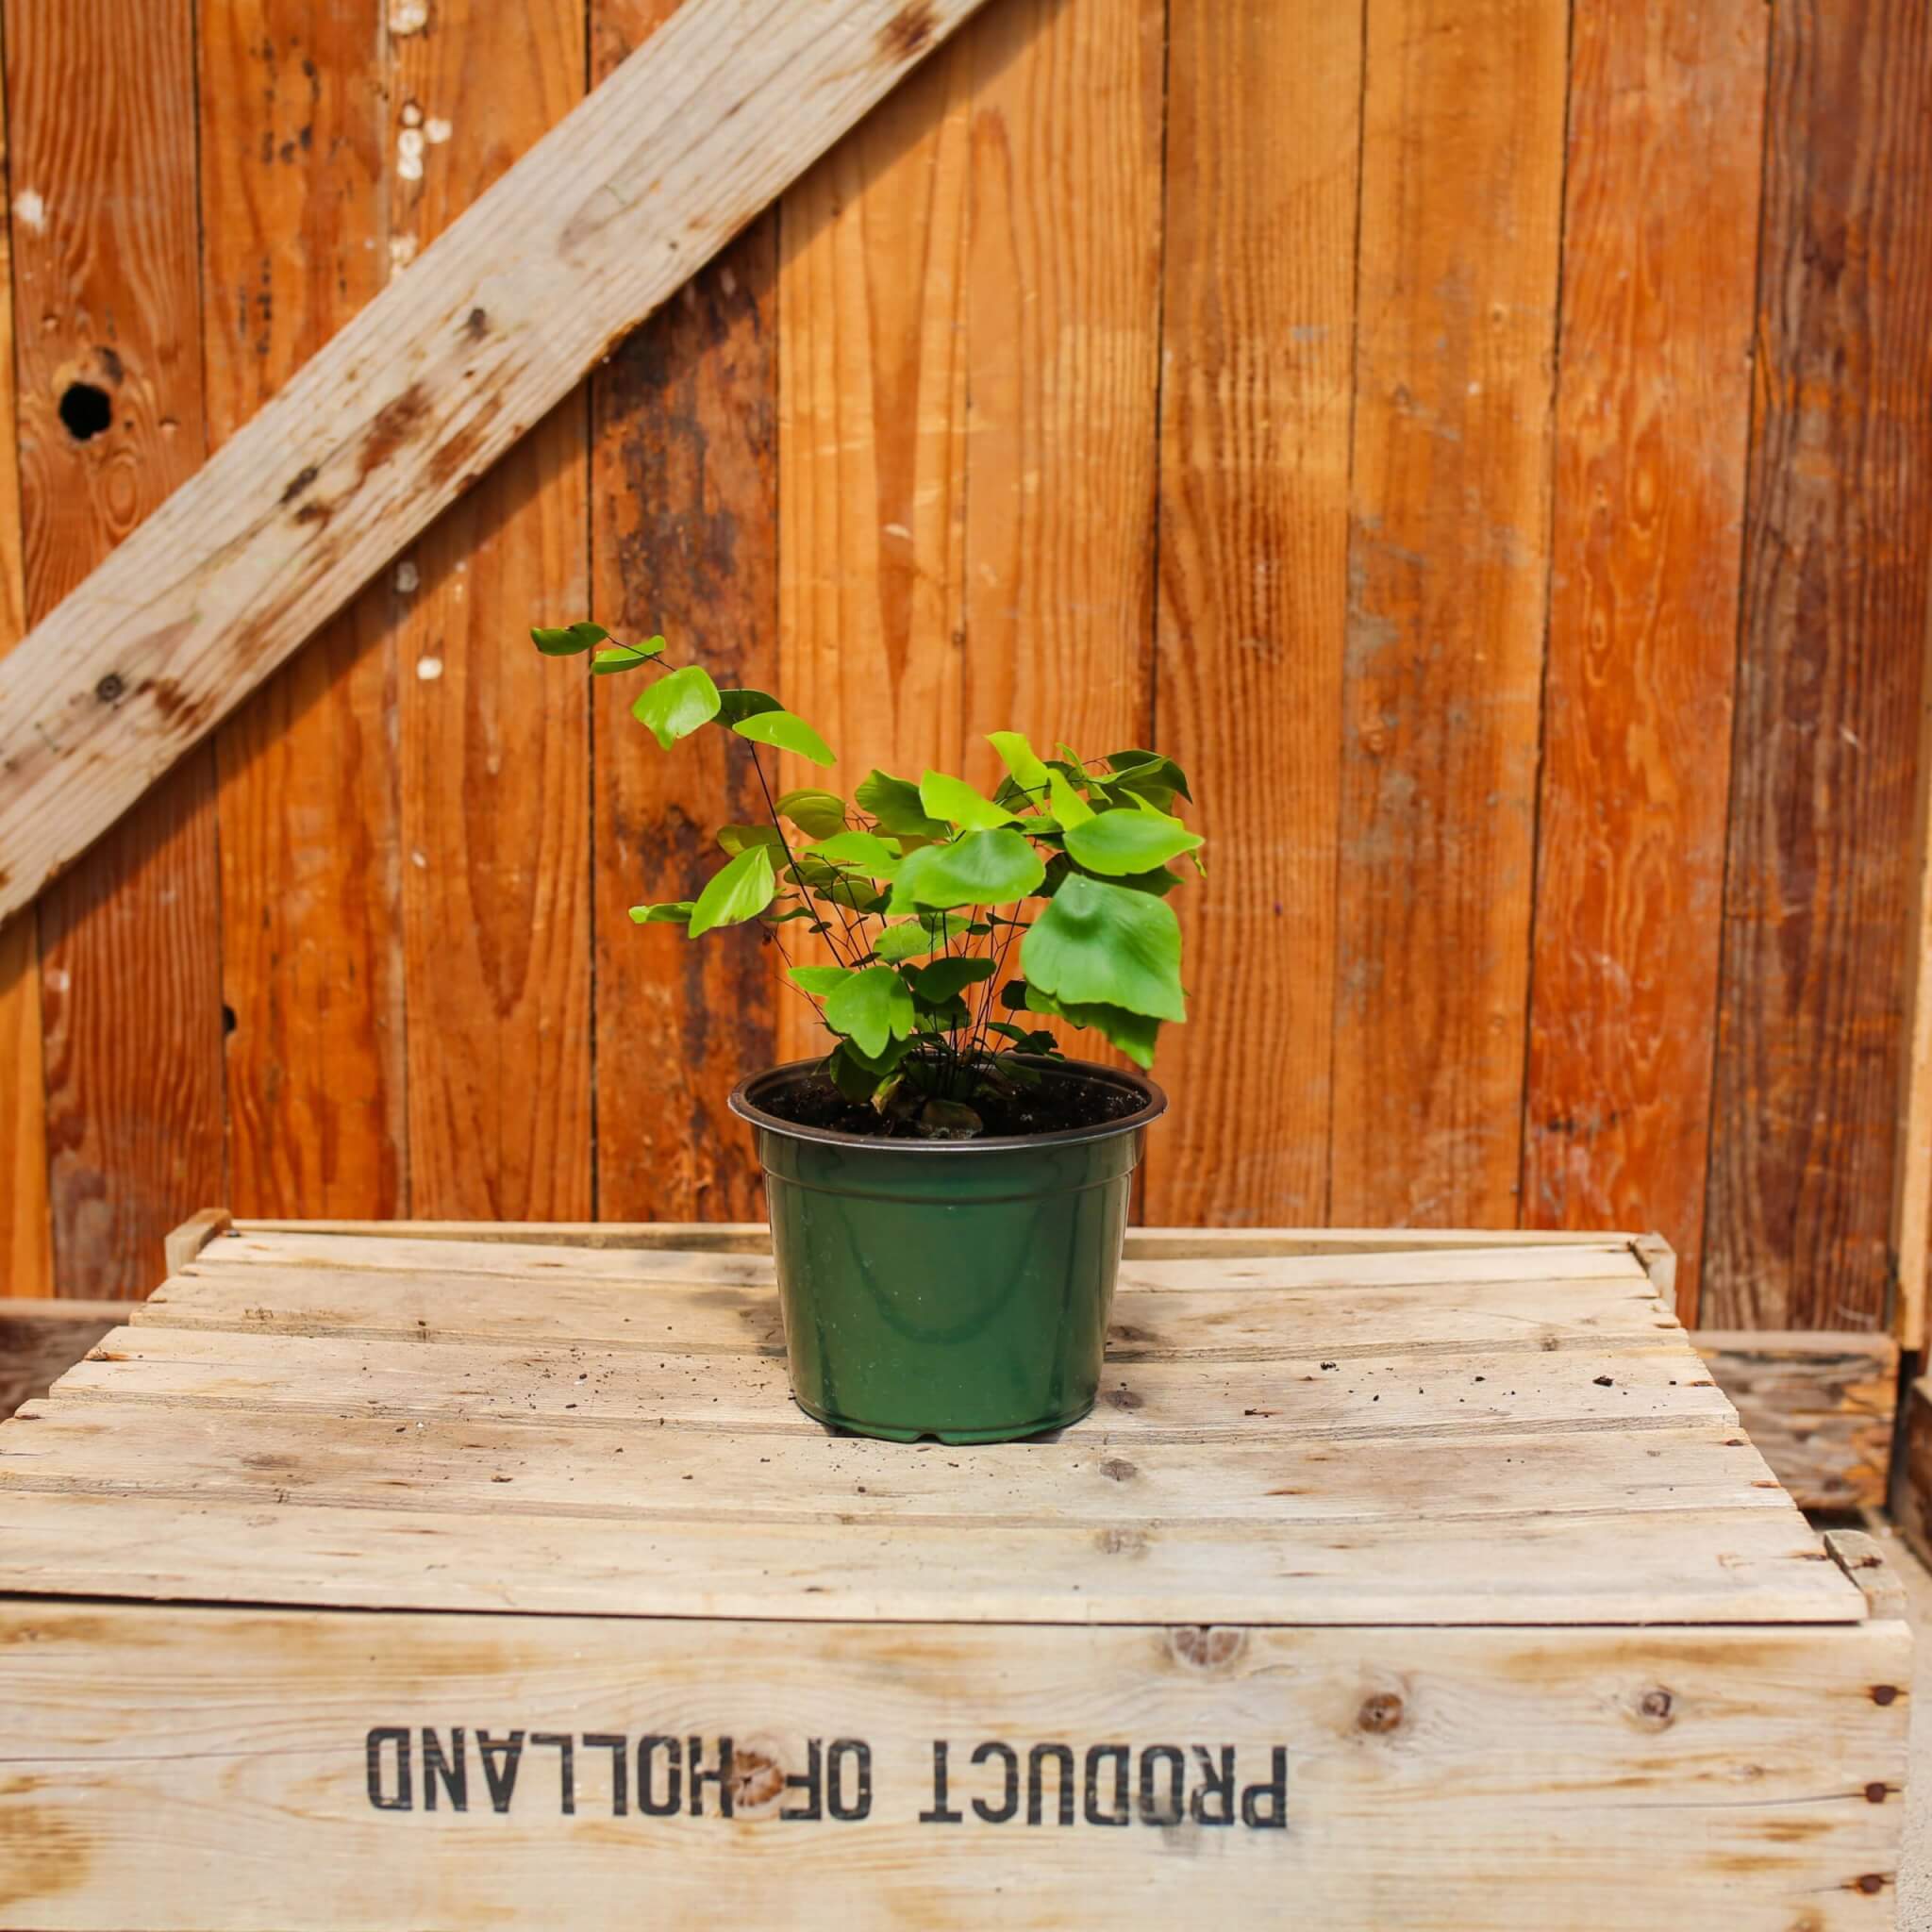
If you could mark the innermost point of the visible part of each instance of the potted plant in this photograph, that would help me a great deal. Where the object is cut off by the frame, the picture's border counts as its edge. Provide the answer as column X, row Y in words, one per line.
column 948, row 1193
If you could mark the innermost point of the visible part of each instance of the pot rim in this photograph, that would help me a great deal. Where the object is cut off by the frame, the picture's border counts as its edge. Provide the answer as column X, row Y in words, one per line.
column 1153, row 1104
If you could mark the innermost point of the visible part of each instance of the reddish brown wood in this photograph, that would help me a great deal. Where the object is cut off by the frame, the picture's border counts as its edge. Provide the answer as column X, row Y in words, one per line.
column 495, row 743
column 101, row 101
column 26, row 1253
column 1462, row 166
column 1264, row 136
column 1839, row 539
column 1653, row 407
column 685, row 510
column 295, row 243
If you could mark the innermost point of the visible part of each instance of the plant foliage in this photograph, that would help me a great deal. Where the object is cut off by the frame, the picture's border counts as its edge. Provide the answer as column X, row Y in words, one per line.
column 949, row 921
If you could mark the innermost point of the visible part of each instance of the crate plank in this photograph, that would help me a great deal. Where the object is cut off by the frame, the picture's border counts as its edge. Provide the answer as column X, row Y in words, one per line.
column 735, row 1307
column 536, row 1260
column 1580, row 1781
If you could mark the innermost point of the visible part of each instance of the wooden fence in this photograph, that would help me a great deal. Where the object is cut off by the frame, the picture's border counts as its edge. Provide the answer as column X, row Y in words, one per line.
column 1485, row 441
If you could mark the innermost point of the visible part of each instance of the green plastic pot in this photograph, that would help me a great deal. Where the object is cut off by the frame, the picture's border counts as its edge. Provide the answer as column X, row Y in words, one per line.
column 952, row 1289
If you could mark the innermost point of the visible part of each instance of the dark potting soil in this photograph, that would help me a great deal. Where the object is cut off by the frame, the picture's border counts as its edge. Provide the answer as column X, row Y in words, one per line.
column 1050, row 1109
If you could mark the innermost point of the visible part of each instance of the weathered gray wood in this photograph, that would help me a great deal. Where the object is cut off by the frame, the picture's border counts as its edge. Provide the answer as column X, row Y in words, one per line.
column 722, row 107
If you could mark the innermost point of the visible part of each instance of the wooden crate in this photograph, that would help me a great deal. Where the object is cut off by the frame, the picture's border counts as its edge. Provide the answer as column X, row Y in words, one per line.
column 414, row 1578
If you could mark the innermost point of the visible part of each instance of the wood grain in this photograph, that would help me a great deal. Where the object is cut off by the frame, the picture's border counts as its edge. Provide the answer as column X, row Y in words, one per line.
column 41, row 1339
column 684, row 540
column 1554, row 1781
column 1264, row 137
column 494, row 745
column 1062, row 306
column 1818, row 1407
column 1448, row 574
column 871, row 446
column 429, row 385
column 294, row 241
column 1653, row 408
column 26, row 1252
column 1838, row 566
column 105, row 295
column 1275, row 1429
column 1910, row 1233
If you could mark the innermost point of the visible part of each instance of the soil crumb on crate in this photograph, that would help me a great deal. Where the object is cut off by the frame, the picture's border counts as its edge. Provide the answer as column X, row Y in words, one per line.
column 1055, row 1107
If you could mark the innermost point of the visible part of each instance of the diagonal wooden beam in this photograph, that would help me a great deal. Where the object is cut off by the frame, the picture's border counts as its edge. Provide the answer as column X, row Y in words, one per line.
column 724, row 105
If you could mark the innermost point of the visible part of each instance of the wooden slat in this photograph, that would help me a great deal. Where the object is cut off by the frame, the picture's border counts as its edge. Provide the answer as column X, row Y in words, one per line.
column 1512, row 1386
column 414, row 399
column 1448, row 575
column 1838, row 566
column 1264, row 137
column 1820, row 1406
column 711, row 1303
column 1718, row 1566
column 1063, row 300
column 1653, row 405
column 1436, row 1778
column 26, row 1253
column 294, row 138
column 684, row 508
column 107, row 297
column 494, row 754
column 1910, row 1242
column 871, row 448
column 751, row 1237
column 536, row 1260
column 42, row 1339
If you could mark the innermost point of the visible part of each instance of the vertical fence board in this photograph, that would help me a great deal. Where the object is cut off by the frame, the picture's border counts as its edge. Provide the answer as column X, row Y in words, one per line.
column 1448, row 567
column 108, row 316
column 1653, row 408
column 495, row 778
column 1838, row 534
column 293, row 243
column 872, row 454
column 1263, row 147
column 1062, row 306
column 684, row 508
column 26, row 1253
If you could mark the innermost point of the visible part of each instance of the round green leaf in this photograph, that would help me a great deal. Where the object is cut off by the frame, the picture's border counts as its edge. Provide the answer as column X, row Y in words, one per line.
column 740, row 890
column 979, row 869
column 1069, row 808
column 954, row 801
column 818, row 815
column 734, row 838
column 945, row 978
column 1020, row 760
column 674, row 913
column 569, row 641
column 864, row 852
column 1103, row 944
column 820, row 979
column 872, row 1008
column 677, row 704
column 894, row 803
column 735, row 704
column 789, row 733
column 625, row 657
column 1119, row 841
